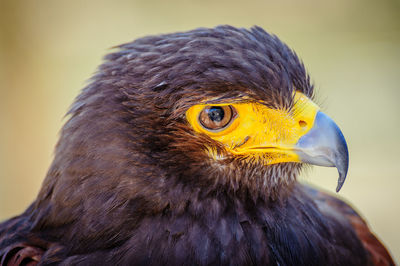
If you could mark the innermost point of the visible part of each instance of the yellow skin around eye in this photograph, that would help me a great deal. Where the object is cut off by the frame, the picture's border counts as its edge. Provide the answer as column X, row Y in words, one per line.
column 258, row 130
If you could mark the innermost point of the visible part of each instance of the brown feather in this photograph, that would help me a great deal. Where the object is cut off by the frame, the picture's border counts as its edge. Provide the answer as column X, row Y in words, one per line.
column 378, row 254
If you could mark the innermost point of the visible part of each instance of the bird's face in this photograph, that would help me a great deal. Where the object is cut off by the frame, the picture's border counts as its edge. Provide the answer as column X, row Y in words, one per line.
column 221, row 107
column 254, row 130
column 257, row 133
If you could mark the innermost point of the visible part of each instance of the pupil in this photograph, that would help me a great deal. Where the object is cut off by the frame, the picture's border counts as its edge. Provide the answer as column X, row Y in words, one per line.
column 216, row 114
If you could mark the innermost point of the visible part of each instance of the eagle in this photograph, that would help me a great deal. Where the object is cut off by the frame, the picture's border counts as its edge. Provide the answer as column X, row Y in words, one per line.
column 184, row 149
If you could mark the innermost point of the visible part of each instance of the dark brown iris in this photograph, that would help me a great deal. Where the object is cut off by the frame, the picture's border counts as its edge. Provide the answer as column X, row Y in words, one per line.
column 216, row 117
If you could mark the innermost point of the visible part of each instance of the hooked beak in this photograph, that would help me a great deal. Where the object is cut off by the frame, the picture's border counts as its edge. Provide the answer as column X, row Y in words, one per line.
column 325, row 145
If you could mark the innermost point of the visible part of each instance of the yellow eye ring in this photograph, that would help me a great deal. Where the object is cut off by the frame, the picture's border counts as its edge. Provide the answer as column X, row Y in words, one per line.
column 194, row 113
column 217, row 118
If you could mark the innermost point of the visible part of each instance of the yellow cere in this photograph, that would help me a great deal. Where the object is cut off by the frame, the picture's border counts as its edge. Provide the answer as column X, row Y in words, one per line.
column 261, row 132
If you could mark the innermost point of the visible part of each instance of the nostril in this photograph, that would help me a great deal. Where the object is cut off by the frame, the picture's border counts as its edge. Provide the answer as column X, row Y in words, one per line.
column 302, row 123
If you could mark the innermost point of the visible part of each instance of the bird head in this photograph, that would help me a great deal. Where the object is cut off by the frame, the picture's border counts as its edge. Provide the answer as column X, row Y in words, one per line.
column 237, row 109
column 222, row 109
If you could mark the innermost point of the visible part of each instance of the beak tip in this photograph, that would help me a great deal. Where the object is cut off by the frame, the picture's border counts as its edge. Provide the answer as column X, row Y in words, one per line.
column 342, row 164
column 342, row 177
column 339, row 185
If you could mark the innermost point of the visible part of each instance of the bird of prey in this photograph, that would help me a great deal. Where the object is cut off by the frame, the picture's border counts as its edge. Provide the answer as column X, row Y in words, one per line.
column 184, row 149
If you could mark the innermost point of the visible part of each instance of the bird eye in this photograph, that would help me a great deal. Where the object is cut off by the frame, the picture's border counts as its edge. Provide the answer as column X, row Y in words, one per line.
column 216, row 117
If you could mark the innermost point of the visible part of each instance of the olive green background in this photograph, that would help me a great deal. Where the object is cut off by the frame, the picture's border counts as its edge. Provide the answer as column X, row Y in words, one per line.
column 49, row 49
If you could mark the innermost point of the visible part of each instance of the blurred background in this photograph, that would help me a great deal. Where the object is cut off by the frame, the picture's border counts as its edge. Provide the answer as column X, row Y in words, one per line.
column 49, row 49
